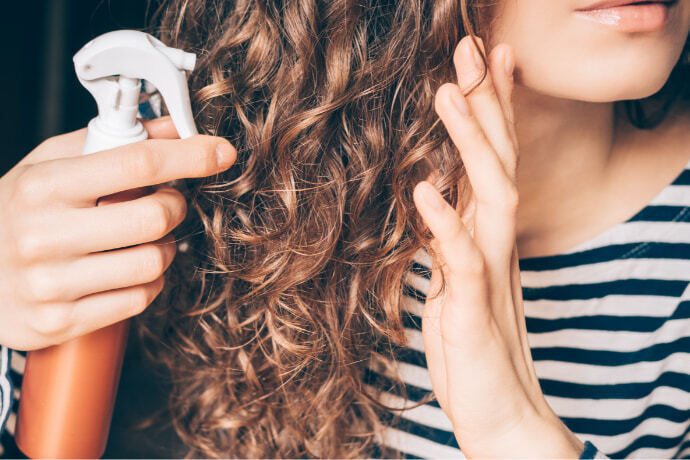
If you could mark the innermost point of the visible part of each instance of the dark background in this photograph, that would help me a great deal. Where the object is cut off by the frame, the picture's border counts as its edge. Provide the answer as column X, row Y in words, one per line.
column 40, row 93
column 42, row 97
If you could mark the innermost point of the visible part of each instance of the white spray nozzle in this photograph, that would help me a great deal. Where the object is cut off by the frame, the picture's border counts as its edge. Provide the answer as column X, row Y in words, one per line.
column 112, row 66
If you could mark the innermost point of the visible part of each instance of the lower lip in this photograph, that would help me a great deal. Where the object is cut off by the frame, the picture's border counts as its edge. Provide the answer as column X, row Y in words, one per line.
column 648, row 17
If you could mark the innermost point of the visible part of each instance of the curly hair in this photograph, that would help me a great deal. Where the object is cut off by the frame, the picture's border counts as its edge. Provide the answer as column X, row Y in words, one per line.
column 291, row 287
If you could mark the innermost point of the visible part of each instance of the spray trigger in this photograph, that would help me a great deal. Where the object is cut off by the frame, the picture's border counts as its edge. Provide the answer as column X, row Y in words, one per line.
column 112, row 66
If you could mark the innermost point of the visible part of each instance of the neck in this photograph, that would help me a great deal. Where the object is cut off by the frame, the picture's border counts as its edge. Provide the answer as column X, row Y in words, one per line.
column 565, row 150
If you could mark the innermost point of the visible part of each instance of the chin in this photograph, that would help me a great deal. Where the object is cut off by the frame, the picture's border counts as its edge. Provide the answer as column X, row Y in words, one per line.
column 612, row 90
column 589, row 84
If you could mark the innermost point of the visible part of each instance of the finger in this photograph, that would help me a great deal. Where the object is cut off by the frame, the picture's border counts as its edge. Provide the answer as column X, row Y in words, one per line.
column 461, row 262
column 161, row 128
column 459, row 256
column 125, row 224
column 62, row 146
column 519, row 328
column 72, row 144
column 490, row 182
column 111, row 226
column 431, row 333
column 495, row 193
column 105, row 308
column 70, row 280
column 502, row 67
column 82, row 180
column 483, row 99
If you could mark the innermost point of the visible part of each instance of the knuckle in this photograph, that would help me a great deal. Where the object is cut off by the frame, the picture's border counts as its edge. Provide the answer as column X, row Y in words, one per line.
column 511, row 197
column 181, row 207
column 139, row 300
column 144, row 162
column 475, row 266
column 30, row 246
column 486, row 88
column 456, row 233
column 465, row 259
column 143, row 296
column 40, row 286
column 443, row 95
column 178, row 206
column 153, row 263
column 31, row 185
column 205, row 149
column 52, row 320
column 156, row 219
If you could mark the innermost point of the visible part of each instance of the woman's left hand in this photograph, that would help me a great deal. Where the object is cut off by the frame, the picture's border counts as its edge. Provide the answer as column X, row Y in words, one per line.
column 474, row 332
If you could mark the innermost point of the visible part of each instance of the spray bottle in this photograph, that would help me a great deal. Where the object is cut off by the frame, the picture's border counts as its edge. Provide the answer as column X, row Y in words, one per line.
column 68, row 390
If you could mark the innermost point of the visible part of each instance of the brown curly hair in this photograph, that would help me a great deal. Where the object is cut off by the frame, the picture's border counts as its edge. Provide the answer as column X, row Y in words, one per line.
column 291, row 287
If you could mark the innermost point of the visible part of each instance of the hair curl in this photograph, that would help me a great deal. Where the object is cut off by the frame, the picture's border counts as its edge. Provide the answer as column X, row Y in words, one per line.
column 292, row 282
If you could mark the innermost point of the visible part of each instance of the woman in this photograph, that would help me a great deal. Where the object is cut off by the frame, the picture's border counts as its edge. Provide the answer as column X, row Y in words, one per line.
column 316, row 247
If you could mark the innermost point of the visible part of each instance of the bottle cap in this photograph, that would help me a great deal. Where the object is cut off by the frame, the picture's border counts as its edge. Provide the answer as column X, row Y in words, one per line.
column 111, row 68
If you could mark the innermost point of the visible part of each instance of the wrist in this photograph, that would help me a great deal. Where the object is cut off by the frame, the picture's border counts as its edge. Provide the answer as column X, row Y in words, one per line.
column 561, row 442
column 533, row 436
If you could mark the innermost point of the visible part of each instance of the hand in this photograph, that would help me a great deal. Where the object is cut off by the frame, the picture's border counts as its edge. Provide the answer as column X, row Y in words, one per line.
column 474, row 331
column 80, row 248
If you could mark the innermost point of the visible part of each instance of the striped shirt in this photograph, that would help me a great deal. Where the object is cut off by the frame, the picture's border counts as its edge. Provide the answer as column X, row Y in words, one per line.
column 11, row 373
column 608, row 324
column 609, row 327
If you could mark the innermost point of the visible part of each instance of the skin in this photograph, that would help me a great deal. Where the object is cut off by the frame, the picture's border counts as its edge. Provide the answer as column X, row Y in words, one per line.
column 87, row 240
column 552, row 82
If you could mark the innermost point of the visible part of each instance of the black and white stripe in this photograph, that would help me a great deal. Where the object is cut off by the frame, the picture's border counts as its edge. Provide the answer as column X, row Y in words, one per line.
column 5, row 386
column 11, row 373
column 609, row 327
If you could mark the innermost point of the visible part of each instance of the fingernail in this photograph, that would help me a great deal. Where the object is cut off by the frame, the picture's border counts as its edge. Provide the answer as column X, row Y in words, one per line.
column 225, row 154
column 460, row 103
column 432, row 197
column 509, row 62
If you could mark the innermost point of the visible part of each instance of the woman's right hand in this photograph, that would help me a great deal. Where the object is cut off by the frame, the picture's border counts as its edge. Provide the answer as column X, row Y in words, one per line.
column 81, row 248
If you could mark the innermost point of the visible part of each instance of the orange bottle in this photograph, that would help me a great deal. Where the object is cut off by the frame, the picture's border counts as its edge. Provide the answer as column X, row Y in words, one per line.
column 68, row 395
column 68, row 390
